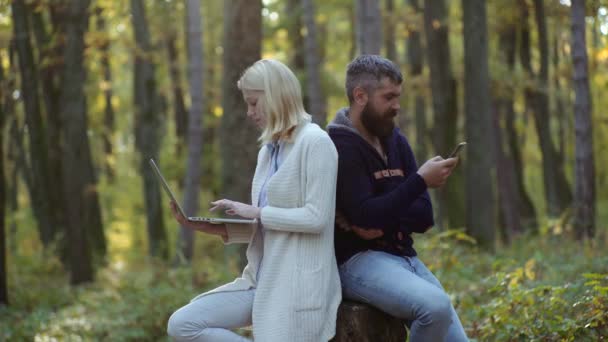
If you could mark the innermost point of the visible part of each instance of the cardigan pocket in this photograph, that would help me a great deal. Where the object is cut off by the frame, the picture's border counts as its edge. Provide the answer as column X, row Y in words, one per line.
column 310, row 289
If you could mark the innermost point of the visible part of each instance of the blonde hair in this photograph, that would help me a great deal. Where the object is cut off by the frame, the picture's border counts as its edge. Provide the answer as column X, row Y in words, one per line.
column 280, row 100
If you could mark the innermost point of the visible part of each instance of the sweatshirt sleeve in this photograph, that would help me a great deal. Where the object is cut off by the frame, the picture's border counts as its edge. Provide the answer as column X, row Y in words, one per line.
column 418, row 217
column 318, row 211
column 357, row 200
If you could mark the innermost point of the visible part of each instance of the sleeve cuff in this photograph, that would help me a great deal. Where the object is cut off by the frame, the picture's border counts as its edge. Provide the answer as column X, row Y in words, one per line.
column 238, row 233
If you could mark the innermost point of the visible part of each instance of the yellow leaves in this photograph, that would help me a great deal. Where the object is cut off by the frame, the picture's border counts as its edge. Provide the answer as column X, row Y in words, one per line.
column 529, row 269
column 218, row 111
column 602, row 55
column 522, row 273
column 516, row 277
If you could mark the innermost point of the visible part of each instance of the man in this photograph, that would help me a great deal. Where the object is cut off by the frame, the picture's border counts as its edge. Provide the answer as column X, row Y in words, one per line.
column 381, row 200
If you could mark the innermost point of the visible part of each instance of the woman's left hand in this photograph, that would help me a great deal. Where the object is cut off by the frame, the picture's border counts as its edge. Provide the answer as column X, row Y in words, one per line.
column 237, row 208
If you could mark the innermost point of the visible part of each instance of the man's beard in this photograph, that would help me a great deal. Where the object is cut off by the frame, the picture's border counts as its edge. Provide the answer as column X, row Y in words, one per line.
column 378, row 124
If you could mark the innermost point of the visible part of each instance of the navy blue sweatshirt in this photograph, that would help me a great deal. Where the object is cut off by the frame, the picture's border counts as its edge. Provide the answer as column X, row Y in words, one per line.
column 374, row 193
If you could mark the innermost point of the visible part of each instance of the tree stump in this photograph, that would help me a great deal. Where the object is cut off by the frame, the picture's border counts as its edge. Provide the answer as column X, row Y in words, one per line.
column 359, row 322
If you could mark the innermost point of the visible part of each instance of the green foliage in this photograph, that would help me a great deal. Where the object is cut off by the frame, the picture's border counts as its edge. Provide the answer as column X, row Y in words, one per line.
column 530, row 291
column 126, row 303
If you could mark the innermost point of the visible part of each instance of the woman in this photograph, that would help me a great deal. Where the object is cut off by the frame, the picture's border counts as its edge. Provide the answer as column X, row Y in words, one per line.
column 290, row 289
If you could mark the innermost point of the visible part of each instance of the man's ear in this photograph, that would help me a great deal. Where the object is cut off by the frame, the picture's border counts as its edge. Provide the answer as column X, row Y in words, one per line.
column 360, row 96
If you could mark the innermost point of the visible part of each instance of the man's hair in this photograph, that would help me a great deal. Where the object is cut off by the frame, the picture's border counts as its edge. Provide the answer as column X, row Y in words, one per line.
column 281, row 97
column 366, row 71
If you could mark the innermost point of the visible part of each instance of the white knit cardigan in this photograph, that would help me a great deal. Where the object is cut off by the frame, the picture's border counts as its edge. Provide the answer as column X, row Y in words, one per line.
column 298, row 295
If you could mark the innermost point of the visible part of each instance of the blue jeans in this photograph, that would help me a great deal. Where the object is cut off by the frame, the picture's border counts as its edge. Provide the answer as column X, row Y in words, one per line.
column 404, row 288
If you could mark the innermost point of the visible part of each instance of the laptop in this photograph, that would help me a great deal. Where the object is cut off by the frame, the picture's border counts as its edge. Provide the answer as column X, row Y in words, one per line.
column 214, row 220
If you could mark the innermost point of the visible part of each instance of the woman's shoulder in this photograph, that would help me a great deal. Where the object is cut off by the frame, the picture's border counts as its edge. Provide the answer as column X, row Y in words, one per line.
column 311, row 132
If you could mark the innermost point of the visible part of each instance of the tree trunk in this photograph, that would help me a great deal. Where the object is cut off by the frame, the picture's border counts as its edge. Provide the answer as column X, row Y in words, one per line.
column 480, row 202
column 508, row 210
column 195, row 124
column 557, row 191
column 314, row 87
column 3, row 115
column 15, row 154
column 415, row 60
column 352, row 15
column 108, row 117
column 39, row 187
column 558, row 102
column 50, row 63
column 368, row 26
column 510, row 174
column 584, row 170
column 358, row 322
column 179, row 107
column 445, row 109
column 238, row 135
column 296, row 38
column 83, row 213
column 147, row 129
column 389, row 31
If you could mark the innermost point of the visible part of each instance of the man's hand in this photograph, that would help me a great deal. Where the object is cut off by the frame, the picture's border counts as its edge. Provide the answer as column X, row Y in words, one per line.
column 365, row 234
column 237, row 208
column 436, row 171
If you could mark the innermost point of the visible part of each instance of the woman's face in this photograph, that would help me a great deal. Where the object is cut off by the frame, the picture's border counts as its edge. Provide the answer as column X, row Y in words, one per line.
column 253, row 110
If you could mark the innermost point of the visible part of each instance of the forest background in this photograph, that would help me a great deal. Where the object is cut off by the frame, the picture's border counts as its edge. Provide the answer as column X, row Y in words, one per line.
column 90, row 89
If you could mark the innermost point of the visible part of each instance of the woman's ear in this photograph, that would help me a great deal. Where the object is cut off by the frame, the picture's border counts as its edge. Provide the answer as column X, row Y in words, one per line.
column 360, row 96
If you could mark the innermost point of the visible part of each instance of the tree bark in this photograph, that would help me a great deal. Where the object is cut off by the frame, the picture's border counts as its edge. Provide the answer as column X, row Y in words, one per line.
column 316, row 105
column 147, row 129
column 389, row 31
column 195, row 124
column 584, row 169
column 179, row 107
column 358, row 322
column 558, row 102
column 557, row 191
column 238, row 135
column 368, row 26
column 83, row 213
column 294, row 24
column 481, row 221
column 509, row 172
column 415, row 60
column 445, row 111
column 39, row 188
column 108, row 117
column 3, row 115
column 50, row 64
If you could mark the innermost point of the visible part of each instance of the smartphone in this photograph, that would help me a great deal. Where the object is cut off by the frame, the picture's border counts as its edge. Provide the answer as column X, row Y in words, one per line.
column 457, row 149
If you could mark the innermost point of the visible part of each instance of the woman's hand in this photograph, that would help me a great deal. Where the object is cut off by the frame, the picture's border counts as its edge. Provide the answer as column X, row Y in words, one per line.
column 206, row 227
column 237, row 208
